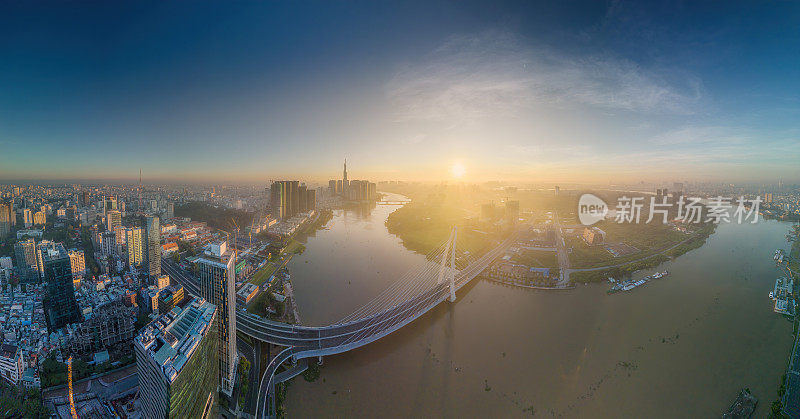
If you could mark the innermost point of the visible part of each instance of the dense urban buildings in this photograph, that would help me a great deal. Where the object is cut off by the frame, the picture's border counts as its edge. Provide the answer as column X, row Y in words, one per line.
column 176, row 358
column 108, row 326
column 353, row 190
column 218, row 286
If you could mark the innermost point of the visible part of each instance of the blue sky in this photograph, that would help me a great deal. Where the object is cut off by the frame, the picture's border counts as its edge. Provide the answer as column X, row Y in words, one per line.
column 538, row 91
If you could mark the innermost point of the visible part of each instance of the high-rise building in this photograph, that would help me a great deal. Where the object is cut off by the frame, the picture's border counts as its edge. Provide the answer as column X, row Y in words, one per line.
column 43, row 247
column 5, row 219
column 361, row 190
column 152, row 239
column 77, row 263
column 169, row 297
column 39, row 218
column 71, row 213
column 62, row 308
column 108, row 243
column 512, row 211
column 120, row 235
column 84, row 199
column 285, row 198
column 302, row 192
column 218, row 286
column 133, row 241
column 27, row 218
column 294, row 195
column 12, row 213
column 11, row 363
column 162, row 281
column 332, row 186
column 27, row 263
column 170, row 211
column 345, row 183
column 176, row 361
column 109, row 204
column 277, row 199
column 113, row 220
column 311, row 200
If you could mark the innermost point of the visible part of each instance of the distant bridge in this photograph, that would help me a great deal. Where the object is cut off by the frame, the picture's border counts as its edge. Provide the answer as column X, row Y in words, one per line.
column 411, row 296
column 392, row 202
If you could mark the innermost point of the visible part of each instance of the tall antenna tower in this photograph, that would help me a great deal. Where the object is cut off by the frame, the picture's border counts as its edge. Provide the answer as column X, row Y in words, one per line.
column 140, row 189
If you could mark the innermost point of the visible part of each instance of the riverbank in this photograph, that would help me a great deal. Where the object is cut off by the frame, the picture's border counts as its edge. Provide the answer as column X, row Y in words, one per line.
column 647, row 262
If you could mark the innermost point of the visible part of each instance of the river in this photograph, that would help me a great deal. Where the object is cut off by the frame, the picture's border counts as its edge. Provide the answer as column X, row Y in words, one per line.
column 678, row 347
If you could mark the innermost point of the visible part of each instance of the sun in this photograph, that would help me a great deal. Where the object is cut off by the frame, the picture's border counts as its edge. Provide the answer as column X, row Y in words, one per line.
column 458, row 170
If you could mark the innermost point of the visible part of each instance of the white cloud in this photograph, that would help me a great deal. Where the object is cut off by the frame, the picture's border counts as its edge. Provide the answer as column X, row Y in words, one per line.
column 701, row 135
column 494, row 74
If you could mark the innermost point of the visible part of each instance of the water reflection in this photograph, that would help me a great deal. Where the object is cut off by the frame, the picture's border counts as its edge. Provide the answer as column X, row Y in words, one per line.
column 679, row 347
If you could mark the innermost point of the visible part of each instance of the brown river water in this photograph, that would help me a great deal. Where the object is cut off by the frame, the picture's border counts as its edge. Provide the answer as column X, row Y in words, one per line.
column 676, row 347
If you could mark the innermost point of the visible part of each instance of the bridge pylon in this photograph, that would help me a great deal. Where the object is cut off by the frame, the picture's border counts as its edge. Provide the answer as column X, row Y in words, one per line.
column 443, row 264
column 453, row 265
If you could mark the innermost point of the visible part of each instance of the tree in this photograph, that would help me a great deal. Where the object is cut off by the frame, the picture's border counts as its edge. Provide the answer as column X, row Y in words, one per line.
column 53, row 372
column 244, row 366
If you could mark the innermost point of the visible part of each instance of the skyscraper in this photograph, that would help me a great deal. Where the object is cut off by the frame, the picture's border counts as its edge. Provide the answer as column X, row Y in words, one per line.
column 302, row 192
column 218, row 286
column 294, row 194
column 113, row 220
column 77, row 263
column 27, row 263
column 345, row 183
column 176, row 361
column 39, row 218
column 27, row 217
column 62, row 308
column 109, row 204
column 311, row 200
column 133, row 240
column 277, row 199
column 152, row 239
column 83, row 199
column 42, row 248
column 5, row 219
column 285, row 198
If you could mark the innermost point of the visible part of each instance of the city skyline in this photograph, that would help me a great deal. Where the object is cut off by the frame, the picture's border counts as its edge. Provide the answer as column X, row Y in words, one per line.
column 512, row 92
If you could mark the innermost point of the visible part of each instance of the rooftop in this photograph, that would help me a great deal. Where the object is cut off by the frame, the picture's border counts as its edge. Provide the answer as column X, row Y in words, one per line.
column 172, row 338
column 54, row 251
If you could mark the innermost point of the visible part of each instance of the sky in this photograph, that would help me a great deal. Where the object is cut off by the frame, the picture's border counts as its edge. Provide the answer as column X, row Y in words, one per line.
column 567, row 91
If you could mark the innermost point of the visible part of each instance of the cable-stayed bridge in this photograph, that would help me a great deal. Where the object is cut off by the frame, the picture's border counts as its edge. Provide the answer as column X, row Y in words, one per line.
column 415, row 293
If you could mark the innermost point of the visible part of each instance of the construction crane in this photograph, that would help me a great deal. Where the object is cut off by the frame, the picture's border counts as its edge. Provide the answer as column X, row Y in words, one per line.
column 71, row 398
column 235, row 238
